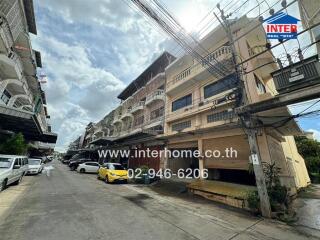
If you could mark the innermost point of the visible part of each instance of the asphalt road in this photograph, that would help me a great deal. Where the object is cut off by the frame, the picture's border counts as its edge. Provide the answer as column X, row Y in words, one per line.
column 66, row 205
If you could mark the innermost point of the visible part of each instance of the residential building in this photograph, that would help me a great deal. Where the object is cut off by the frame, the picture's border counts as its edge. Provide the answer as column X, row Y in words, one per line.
column 22, row 101
column 310, row 15
column 138, row 121
column 200, row 110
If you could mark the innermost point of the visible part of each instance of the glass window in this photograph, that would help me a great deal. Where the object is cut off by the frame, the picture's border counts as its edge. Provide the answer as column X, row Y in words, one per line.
column 115, row 167
column 5, row 97
column 5, row 162
column 220, row 86
column 159, row 112
column 260, row 86
column 34, row 161
column 182, row 102
column 17, row 161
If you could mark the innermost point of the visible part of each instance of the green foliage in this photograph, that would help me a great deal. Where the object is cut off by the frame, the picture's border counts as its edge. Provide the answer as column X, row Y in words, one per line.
column 278, row 194
column 310, row 151
column 271, row 172
column 15, row 145
column 313, row 164
column 253, row 200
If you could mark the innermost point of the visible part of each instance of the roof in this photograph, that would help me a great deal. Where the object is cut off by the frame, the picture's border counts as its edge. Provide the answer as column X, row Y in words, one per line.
column 11, row 156
column 29, row 11
column 282, row 18
column 156, row 67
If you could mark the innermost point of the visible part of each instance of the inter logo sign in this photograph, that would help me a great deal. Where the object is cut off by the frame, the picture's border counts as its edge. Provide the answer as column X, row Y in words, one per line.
column 281, row 26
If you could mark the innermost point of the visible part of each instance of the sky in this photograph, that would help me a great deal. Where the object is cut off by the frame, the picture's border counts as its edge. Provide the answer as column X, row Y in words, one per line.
column 92, row 49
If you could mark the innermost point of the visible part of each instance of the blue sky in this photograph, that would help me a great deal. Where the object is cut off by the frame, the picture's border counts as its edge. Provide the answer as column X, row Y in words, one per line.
column 92, row 49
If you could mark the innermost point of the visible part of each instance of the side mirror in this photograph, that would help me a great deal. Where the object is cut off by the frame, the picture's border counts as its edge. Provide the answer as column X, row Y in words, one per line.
column 16, row 167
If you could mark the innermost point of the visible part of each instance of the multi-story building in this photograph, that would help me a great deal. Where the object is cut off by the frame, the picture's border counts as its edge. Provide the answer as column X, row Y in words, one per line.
column 309, row 12
column 200, row 110
column 140, row 117
column 22, row 101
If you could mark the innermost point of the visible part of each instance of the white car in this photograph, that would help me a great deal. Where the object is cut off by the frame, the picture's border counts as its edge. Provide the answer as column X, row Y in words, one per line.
column 88, row 167
column 12, row 169
column 35, row 166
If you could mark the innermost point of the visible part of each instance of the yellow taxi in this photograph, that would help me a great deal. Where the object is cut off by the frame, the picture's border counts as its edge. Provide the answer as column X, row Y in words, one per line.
column 112, row 172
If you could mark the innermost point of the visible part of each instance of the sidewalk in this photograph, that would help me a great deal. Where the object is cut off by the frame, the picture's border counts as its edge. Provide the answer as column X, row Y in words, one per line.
column 307, row 207
column 174, row 194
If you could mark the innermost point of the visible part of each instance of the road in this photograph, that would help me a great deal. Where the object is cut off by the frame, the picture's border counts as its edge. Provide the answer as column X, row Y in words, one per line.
column 66, row 205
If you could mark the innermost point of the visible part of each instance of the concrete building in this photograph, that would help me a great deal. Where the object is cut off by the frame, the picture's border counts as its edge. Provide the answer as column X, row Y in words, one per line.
column 200, row 111
column 310, row 15
column 139, row 119
column 22, row 101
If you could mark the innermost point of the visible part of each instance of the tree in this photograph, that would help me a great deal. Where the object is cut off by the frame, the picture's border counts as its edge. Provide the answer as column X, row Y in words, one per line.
column 14, row 145
column 310, row 151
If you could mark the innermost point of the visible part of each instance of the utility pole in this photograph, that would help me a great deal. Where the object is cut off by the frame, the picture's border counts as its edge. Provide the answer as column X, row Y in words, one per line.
column 248, row 123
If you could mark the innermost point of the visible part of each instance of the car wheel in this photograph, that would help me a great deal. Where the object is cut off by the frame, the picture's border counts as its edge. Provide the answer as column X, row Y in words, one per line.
column 73, row 168
column 3, row 185
column 19, row 180
column 107, row 179
column 82, row 170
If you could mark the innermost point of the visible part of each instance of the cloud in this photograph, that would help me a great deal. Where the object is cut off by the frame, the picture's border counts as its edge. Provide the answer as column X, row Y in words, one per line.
column 77, row 91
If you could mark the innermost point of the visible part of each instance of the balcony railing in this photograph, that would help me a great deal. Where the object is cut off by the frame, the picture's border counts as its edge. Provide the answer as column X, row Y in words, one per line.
column 219, row 54
column 12, row 12
column 156, row 95
column 138, row 106
column 126, row 113
column 256, row 50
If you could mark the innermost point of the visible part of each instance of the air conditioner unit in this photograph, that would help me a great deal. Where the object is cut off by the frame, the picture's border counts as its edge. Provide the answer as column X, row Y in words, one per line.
column 298, row 75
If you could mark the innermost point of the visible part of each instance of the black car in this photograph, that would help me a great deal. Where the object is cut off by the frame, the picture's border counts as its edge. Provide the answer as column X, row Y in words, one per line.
column 82, row 157
column 73, row 164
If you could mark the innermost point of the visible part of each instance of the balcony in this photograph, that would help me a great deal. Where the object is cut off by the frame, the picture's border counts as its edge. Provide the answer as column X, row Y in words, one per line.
column 156, row 95
column 265, row 59
column 13, row 21
column 126, row 114
column 198, row 71
column 137, row 107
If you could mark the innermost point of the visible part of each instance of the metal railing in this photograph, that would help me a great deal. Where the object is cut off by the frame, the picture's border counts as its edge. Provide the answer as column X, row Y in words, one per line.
column 220, row 53
column 137, row 106
column 256, row 50
column 155, row 95
column 10, row 9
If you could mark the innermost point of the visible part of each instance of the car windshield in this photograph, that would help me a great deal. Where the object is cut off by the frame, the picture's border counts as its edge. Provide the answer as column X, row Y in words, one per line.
column 5, row 162
column 116, row 167
column 34, row 161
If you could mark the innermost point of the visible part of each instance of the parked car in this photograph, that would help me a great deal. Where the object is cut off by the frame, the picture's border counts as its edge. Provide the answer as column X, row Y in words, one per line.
column 88, row 167
column 35, row 166
column 82, row 157
column 112, row 172
column 73, row 164
column 12, row 169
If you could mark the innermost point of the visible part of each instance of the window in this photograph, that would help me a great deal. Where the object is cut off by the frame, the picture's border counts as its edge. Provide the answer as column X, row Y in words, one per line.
column 16, row 161
column 139, row 120
column 220, row 86
column 224, row 115
column 182, row 102
column 5, row 97
column 157, row 113
column 180, row 126
column 260, row 86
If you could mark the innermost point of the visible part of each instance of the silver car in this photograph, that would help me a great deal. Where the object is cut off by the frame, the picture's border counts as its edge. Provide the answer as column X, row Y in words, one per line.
column 12, row 169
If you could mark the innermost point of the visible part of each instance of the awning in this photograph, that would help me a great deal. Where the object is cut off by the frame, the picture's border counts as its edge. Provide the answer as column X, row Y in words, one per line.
column 280, row 119
column 17, row 120
column 102, row 141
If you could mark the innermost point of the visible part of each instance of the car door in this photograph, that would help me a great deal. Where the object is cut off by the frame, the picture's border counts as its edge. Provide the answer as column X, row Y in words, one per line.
column 103, row 171
column 14, row 176
column 94, row 167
